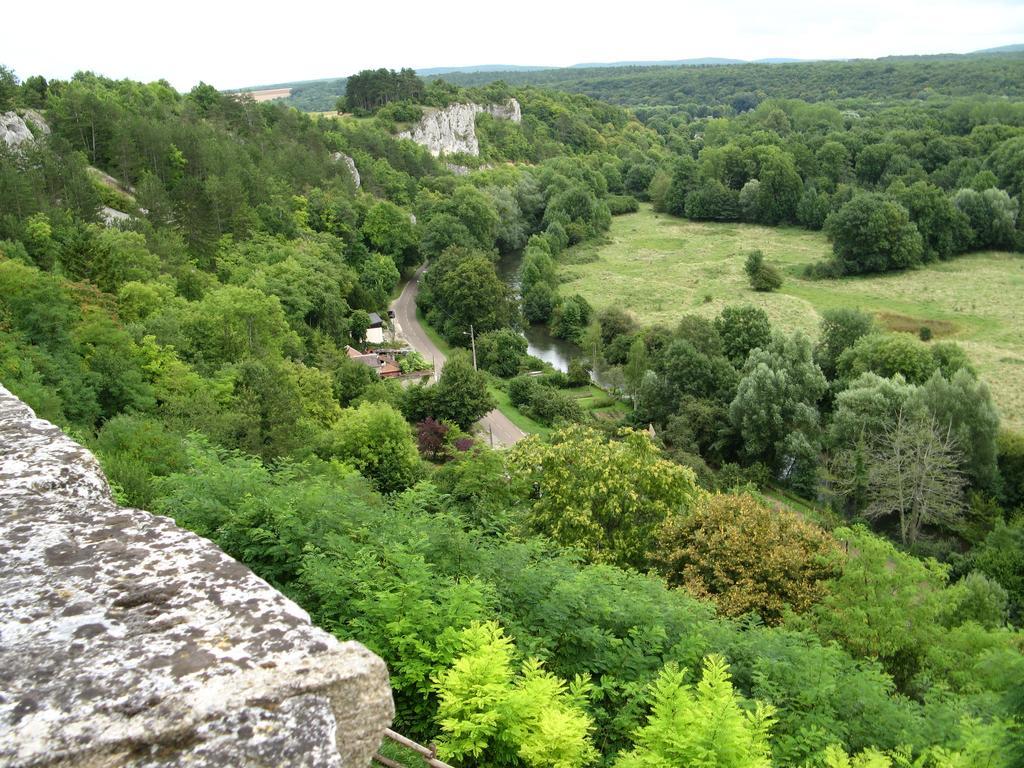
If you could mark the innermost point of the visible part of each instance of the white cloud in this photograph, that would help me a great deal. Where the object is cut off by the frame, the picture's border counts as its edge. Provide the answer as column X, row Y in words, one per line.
column 188, row 41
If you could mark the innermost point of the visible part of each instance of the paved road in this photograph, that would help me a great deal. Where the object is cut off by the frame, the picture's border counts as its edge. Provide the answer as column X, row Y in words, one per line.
column 494, row 423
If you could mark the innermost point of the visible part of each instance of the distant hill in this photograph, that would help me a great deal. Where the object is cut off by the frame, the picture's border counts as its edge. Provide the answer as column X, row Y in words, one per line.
column 479, row 68
column 697, row 87
column 1001, row 49
column 704, row 62
column 711, row 81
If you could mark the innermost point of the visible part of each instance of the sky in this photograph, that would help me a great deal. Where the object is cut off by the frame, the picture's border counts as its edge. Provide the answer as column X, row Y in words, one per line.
column 188, row 41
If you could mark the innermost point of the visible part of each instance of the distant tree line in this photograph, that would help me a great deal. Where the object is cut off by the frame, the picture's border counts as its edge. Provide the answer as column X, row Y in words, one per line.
column 371, row 89
column 740, row 87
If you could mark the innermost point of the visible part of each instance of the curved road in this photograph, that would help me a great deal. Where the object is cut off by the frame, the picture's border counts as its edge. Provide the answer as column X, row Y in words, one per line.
column 495, row 423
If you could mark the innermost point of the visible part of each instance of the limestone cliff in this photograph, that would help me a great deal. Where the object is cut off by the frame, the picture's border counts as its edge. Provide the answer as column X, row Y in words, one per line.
column 128, row 641
column 341, row 157
column 14, row 131
column 452, row 130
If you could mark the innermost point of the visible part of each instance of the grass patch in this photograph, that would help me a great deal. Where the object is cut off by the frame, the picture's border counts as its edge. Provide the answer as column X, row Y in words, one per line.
column 513, row 414
column 662, row 268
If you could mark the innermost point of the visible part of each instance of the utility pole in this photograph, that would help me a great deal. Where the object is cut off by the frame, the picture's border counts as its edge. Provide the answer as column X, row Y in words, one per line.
column 472, row 342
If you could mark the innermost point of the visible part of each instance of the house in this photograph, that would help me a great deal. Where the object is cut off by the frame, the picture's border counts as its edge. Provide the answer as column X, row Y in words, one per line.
column 382, row 362
column 375, row 333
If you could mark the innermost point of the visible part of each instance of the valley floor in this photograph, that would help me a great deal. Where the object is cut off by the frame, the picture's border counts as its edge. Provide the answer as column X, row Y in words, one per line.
column 661, row 267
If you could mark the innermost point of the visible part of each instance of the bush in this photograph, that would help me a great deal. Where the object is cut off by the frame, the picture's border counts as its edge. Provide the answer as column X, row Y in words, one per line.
column 620, row 204
column 747, row 557
column 925, row 333
column 543, row 403
column 763, row 277
column 555, row 379
column 579, row 374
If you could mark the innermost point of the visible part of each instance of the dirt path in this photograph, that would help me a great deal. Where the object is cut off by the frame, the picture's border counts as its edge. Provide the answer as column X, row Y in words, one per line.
column 495, row 424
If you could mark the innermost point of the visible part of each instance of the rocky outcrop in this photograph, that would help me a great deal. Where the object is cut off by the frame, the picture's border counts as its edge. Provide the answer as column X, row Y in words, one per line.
column 112, row 217
column 452, row 130
column 128, row 641
column 341, row 157
column 14, row 131
column 37, row 122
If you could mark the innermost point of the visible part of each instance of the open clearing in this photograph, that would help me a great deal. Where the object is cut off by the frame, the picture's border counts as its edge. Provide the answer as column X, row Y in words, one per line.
column 660, row 268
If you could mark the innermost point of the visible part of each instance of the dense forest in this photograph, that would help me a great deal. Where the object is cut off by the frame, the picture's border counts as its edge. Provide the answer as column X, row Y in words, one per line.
column 731, row 572
column 740, row 86
column 729, row 88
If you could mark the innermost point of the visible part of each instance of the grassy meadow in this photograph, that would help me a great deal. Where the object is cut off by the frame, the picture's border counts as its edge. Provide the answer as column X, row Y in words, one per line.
column 660, row 268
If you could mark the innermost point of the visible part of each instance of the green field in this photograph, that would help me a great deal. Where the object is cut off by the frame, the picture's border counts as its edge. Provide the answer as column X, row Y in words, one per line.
column 660, row 268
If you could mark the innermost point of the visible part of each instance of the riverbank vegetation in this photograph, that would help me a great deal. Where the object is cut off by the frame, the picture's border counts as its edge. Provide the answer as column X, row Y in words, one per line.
column 623, row 591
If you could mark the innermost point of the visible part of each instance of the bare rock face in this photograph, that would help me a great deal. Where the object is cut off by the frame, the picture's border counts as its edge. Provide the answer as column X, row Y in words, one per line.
column 13, row 130
column 112, row 217
column 37, row 122
column 128, row 641
column 452, row 130
column 341, row 157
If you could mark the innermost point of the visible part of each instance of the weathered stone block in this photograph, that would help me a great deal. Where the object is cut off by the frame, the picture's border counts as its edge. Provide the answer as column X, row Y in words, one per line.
column 128, row 641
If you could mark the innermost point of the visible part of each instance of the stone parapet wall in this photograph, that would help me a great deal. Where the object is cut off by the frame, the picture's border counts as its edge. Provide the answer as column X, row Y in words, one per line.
column 128, row 641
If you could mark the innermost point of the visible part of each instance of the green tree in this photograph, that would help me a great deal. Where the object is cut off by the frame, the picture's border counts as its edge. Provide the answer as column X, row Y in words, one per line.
column 461, row 395
column 702, row 724
column 945, row 230
column 571, row 319
column 462, row 289
column 637, row 363
column 741, row 330
column 873, row 234
column 378, row 278
column 233, row 322
column 387, row 229
column 840, row 330
column 358, row 325
column 992, row 215
column 813, row 209
column 776, row 399
column 114, row 364
column 866, row 408
column 887, row 354
column 780, row 187
column 269, row 420
column 712, row 201
column 475, row 210
column 605, row 497
column 500, row 352
column 134, row 450
column 376, row 440
column 1010, row 460
column 833, row 162
column 1007, row 161
column 8, row 88
column 1001, row 557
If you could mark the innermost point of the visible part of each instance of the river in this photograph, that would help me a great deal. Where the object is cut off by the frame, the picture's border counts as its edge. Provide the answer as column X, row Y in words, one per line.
column 540, row 343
